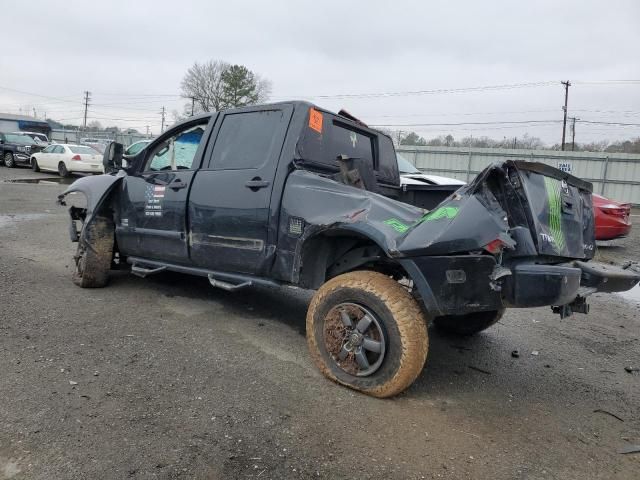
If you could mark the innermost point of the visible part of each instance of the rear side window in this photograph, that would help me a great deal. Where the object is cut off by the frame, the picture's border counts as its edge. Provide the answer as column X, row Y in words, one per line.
column 83, row 150
column 319, row 148
column 351, row 143
column 247, row 140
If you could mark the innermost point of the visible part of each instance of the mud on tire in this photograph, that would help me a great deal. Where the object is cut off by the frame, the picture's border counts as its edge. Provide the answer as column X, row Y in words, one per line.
column 397, row 324
column 470, row 324
column 94, row 255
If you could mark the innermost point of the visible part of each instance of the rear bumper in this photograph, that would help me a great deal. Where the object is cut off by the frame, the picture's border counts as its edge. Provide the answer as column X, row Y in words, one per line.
column 84, row 168
column 611, row 232
column 540, row 285
column 456, row 285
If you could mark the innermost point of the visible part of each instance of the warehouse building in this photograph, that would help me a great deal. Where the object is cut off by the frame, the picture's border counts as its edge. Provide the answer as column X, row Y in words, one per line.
column 21, row 123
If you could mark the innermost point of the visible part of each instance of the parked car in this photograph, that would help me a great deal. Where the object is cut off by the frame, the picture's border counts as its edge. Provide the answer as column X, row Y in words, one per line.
column 613, row 219
column 66, row 159
column 410, row 175
column 39, row 137
column 16, row 149
column 98, row 147
column 136, row 147
column 424, row 190
column 291, row 194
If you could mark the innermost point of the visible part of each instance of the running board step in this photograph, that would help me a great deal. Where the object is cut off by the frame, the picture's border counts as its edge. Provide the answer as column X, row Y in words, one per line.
column 229, row 287
column 143, row 272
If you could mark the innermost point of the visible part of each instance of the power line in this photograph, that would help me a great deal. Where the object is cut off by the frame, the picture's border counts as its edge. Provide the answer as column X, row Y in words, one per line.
column 518, row 122
column 433, row 92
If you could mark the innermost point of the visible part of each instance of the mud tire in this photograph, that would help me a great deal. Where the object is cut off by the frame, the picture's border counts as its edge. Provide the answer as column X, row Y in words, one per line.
column 94, row 255
column 470, row 324
column 396, row 310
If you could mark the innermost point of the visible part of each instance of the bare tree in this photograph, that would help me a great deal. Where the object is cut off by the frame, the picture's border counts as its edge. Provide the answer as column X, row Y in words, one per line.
column 204, row 85
column 216, row 85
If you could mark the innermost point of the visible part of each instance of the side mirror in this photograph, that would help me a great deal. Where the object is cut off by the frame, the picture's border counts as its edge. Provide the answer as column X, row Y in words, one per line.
column 112, row 157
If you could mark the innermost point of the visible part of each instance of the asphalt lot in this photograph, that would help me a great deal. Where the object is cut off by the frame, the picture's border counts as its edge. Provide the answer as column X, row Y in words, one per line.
column 167, row 377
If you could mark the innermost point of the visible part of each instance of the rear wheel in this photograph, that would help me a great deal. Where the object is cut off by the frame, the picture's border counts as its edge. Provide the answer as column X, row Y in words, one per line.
column 8, row 160
column 34, row 164
column 62, row 170
column 365, row 331
column 93, row 258
column 469, row 324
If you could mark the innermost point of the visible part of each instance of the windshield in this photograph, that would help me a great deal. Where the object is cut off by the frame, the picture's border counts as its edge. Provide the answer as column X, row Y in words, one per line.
column 38, row 137
column 83, row 150
column 19, row 139
column 405, row 166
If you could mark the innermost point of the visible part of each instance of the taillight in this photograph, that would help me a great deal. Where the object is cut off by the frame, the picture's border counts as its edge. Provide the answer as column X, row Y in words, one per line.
column 76, row 157
column 495, row 246
column 616, row 211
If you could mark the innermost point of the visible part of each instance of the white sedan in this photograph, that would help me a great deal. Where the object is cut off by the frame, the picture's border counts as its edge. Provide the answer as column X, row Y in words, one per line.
column 66, row 159
column 410, row 175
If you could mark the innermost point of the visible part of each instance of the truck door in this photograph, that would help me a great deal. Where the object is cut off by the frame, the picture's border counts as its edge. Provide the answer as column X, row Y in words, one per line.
column 230, row 198
column 153, row 201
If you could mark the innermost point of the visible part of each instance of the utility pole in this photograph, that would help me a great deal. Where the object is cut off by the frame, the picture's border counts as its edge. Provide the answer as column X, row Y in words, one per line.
column 34, row 113
column 193, row 104
column 573, row 133
column 162, row 112
column 566, row 84
column 147, row 130
column 87, row 96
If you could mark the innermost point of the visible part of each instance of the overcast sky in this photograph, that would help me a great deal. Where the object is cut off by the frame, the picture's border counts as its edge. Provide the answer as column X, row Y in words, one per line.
column 123, row 52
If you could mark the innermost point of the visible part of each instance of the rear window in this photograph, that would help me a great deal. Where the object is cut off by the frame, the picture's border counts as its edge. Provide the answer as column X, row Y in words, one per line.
column 83, row 150
column 337, row 137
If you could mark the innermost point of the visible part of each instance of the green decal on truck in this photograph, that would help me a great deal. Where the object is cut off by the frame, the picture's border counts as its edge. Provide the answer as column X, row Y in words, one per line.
column 555, row 211
column 397, row 225
column 442, row 212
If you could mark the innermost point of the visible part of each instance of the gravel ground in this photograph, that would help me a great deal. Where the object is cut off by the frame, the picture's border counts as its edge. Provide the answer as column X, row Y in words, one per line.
column 166, row 377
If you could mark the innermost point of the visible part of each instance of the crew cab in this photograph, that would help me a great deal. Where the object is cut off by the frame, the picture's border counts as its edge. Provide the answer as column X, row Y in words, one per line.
column 292, row 194
column 16, row 149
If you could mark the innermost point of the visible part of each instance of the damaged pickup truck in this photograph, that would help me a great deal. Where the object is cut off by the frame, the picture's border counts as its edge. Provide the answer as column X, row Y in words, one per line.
column 291, row 194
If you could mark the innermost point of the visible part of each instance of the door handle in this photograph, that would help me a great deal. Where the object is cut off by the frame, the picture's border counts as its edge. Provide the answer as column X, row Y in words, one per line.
column 256, row 184
column 177, row 184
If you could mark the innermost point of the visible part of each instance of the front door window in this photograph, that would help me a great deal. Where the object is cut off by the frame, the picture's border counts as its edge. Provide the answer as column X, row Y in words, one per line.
column 177, row 152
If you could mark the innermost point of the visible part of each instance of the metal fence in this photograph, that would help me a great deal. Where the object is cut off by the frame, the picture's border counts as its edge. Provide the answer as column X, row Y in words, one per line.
column 76, row 136
column 614, row 175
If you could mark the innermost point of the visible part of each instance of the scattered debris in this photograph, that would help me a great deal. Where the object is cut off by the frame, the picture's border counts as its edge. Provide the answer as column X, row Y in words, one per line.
column 71, row 382
column 477, row 369
column 515, row 354
column 630, row 449
column 535, row 353
column 632, row 369
column 599, row 410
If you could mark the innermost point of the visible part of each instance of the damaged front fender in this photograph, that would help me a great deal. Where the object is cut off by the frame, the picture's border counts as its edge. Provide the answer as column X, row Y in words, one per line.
column 96, row 190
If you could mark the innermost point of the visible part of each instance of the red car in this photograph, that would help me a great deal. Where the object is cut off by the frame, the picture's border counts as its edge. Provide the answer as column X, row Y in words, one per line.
column 613, row 219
